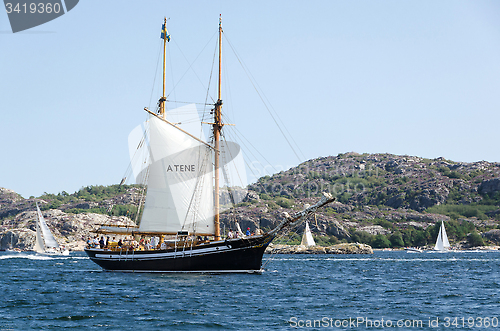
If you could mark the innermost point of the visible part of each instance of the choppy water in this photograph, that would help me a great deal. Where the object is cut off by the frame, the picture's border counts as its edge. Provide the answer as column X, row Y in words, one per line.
column 322, row 291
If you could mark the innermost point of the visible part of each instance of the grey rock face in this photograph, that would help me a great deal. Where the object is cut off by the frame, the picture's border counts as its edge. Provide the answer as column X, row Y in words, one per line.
column 493, row 235
column 490, row 186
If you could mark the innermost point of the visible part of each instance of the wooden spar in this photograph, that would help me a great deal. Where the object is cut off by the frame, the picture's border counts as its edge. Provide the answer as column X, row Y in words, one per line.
column 292, row 221
column 175, row 126
column 163, row 98
column 135, row 231
column 217, row 128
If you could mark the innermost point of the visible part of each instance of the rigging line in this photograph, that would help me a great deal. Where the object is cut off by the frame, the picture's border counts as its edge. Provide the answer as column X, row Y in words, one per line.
column 205, row 112
column 227, row 87
column 262, row 99
column 156, row 72
column 273, row 254
column 239, row 134
column 234, row 158
column 190, row 66
column 211, row 75
column 225, row 172
column 252, row 79
column 195, row 198
column 279, row 118
column 285, row 233
column 129, row 170
column 146, row 176
column 228, row 150
column 171, row 74
column 254, row 174
column 142, row 197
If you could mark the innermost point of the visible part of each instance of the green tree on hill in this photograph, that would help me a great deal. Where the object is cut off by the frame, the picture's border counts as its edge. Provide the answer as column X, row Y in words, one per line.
column 396, row 240
column 381, row 241
column 474, row 239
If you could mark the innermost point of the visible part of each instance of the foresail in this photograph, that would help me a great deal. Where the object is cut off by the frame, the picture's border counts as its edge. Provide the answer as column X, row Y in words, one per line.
column 48, row 239
column 180, row 188
column 439, row 241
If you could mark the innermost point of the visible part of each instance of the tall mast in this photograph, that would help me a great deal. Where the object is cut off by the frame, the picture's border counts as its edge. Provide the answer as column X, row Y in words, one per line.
column 217, row 129
column 165, row 37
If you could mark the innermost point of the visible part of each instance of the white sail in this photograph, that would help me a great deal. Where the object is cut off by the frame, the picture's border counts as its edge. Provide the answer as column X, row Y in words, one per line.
column 38, row 238
column 439, row 241
column 46, row 240
column 185, row 117
column 180, row 186
column 446, row 243
column 138, row 144
column 180, row 200
column 307, row 238
column 442, row 239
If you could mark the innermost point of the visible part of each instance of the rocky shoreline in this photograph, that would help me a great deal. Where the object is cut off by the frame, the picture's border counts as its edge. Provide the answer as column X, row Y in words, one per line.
column 350, row 248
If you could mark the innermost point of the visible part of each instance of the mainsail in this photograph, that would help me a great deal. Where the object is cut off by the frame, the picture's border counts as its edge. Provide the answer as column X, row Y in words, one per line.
column 442, row 239
column 178, row 171
column 180, row 189
column 44, row 238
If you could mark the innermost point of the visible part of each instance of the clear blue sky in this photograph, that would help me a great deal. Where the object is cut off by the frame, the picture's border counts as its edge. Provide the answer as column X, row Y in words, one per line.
column 405, row 77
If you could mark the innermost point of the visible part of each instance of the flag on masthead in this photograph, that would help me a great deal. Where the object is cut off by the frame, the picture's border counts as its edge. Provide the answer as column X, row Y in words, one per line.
column 164, row 32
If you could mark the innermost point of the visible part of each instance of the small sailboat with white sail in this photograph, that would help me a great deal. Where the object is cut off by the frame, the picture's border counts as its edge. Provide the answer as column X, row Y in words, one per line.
column 442, row 244
column 45, row 243
column 307, row 238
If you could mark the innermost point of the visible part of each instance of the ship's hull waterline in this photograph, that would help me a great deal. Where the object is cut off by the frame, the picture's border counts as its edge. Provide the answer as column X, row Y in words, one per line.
column 232, row 255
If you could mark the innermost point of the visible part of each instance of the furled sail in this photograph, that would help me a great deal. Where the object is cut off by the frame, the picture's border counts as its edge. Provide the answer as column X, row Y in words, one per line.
column 180, row 187
column 44, row 238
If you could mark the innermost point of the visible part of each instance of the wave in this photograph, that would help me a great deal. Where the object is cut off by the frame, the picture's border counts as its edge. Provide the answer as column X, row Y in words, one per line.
column 40, row 257
column 378, row 259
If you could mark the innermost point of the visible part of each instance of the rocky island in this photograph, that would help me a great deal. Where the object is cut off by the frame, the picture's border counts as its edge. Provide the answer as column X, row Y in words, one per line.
column 383, row 200
column 347, row 248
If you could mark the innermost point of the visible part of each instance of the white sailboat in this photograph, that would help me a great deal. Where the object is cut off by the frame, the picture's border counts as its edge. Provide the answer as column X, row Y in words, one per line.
column 442, row 244
column 45, row 242
column 307, row 238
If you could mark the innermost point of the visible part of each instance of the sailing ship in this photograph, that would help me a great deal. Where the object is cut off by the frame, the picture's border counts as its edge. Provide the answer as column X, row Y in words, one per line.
column 442, row 244
column 45, row 243
column 182, row 209
column 307, row 238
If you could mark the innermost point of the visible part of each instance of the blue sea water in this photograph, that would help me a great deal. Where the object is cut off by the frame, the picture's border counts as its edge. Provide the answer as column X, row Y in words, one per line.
column 425, row 291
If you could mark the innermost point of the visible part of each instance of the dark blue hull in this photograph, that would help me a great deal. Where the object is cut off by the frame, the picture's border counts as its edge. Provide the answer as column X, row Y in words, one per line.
column 235, row 255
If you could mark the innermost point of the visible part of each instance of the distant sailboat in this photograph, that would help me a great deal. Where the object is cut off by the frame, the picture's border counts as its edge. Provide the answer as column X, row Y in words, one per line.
column 45, row 242
column 442, row 244
column 307, row 238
